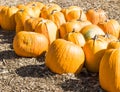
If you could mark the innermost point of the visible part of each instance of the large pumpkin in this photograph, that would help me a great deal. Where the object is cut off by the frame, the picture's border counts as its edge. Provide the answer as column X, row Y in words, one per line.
column 30, row 44
column 110, row 26
column 8, row 18
column 64, row 57
column 94, row 50
column 109, row 72
column 96, row 16
column 48, row 28
column 74, row 13
column 90, row 31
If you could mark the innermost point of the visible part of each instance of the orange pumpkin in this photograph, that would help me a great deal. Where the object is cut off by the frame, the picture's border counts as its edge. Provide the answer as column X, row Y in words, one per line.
column 57, row 17
column 109, row 68
column 76, row 38
column 36, row 7
column 94, row 50
column 69, row 27
column 74, row 13
column 96, row 16
column 48, row 8
column 21, row 16
column 30, row 44
column 8, row 18
column 90, row 31
column 31, row 23
column 48, row 28
column 64, row 57
column 0, row 14
column 110, row 26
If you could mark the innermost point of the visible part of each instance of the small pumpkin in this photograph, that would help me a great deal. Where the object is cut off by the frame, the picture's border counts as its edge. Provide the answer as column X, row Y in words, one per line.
column 48, row 28
column 75, row 37
column 8, row 18
column 74, row 13
column 110, row 26
column 109, row 68
column 96, row 16
column 31, row 23
column 30, row 44
column 69, row 27
column 57, row 17
column 90, row 31
column 48, row 8
column 94, row 50
column 68, row 57
column 21, row 16
column 36, row 7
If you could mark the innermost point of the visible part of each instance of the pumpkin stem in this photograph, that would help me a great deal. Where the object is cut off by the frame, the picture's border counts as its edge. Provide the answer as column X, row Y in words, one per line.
column 53, row 11
column 80, row 16
column 107, row 35
column 33, row 4
column 21, row 10
column 73, row 30
column 94, row 39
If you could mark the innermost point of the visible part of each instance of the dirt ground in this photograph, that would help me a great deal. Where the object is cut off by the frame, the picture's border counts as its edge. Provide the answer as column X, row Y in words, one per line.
column 19, row 74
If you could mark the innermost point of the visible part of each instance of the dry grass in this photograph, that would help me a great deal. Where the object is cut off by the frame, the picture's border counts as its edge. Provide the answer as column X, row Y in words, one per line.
column 19, row 74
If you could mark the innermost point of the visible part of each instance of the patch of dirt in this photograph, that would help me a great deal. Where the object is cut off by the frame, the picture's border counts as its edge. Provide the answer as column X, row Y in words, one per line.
column 19, row 74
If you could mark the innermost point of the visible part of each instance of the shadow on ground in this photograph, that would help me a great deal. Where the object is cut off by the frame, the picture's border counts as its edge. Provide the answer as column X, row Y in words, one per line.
column 85, row 82
column 6, row 36
column 34, row 71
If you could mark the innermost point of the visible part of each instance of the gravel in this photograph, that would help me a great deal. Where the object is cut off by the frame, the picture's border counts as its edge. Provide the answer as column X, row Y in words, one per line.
column 19, row 74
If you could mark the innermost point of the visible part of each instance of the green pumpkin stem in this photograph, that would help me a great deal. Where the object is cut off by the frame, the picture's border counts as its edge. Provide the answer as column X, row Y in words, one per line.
column 94, row 39
column 53, row 11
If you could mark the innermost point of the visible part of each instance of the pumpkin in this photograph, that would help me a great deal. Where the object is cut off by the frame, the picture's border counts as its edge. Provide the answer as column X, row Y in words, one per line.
column 109, row 72
column 21, row 16
column 69, row 27
column 90, row 31
column 114, row 45
column 0, row 14
column 30, row 44
column 76, row 38
column 8, row 18
column 110, row 26
column 94, row 50
column 36, row 7
column 96, row 16
column 57, row 17
column 74, row 13
column 108, row 37
column 64, row 57
column 48, row 28
column 31, row 23
column 48, row 8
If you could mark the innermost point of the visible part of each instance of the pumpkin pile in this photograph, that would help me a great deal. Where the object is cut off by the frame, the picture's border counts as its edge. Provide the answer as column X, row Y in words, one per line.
column 70, row 38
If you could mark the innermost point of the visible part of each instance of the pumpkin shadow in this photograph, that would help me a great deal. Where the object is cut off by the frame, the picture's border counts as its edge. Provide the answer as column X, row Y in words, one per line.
column 84, row 82
column 6, row 36
column 8, row 54
column 36, row 71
